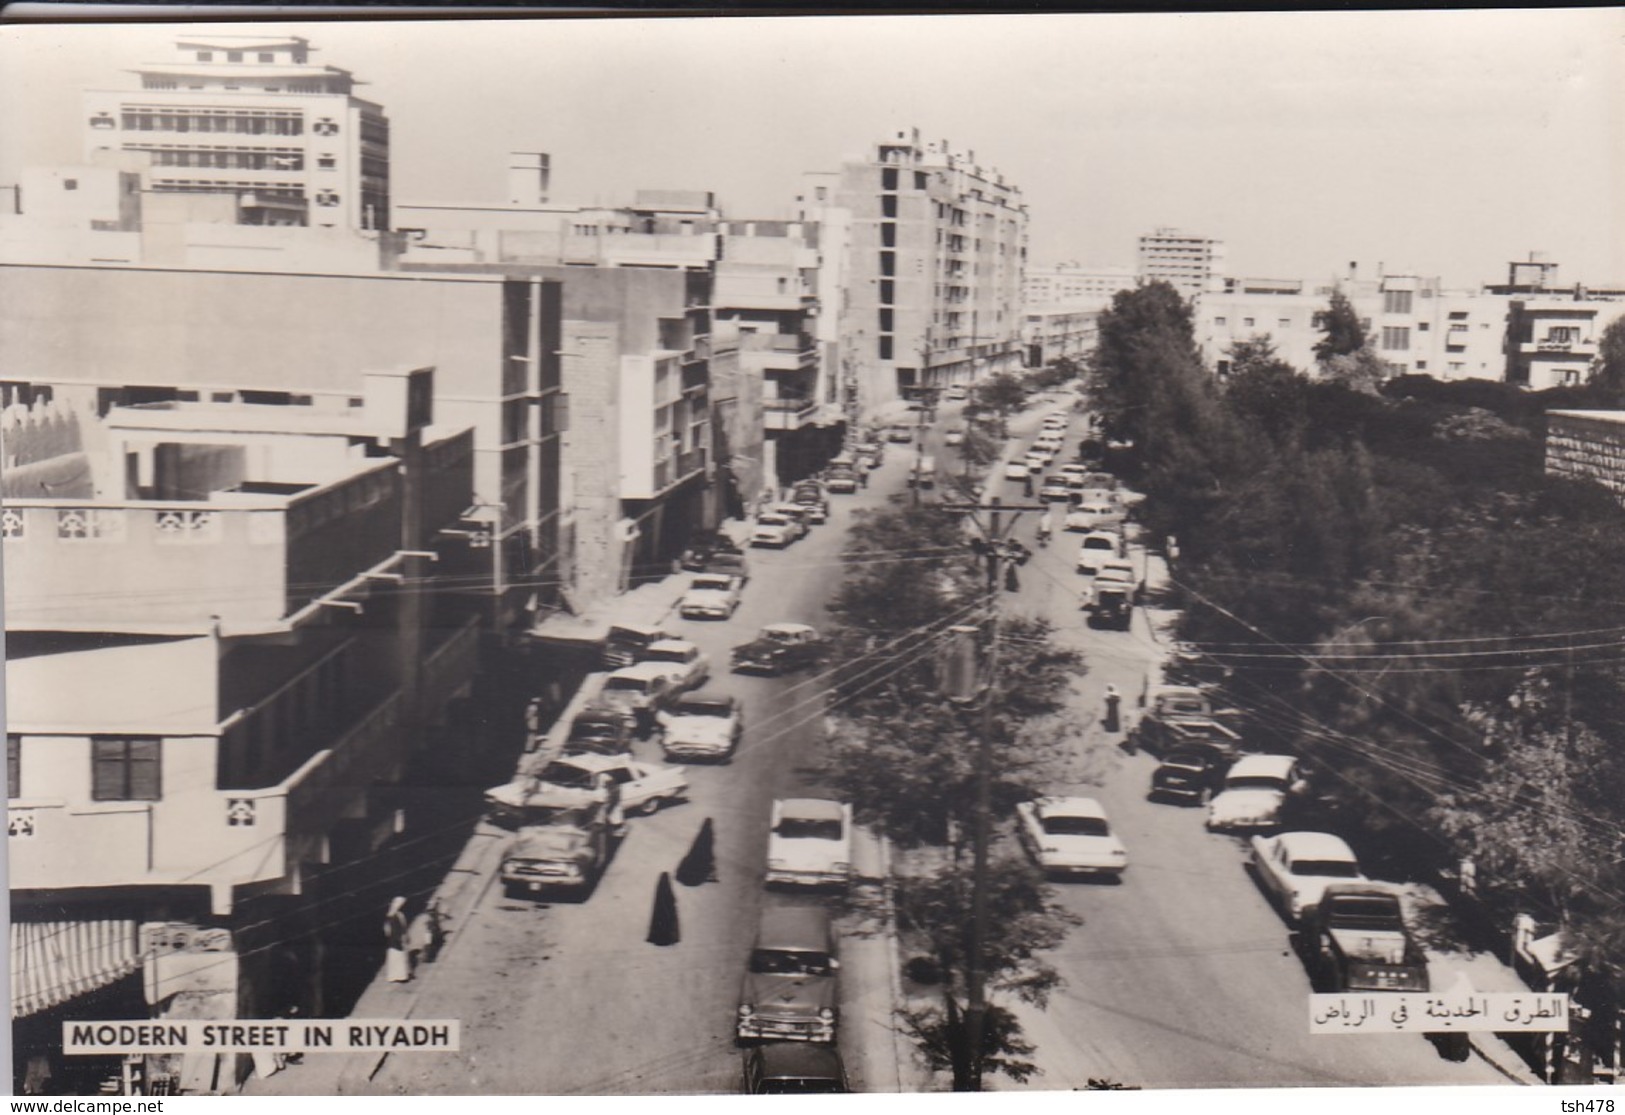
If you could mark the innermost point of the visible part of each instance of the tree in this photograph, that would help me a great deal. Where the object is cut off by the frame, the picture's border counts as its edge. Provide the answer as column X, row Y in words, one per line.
column 1266, row 392
column 1145, row 341
column 1342, row 333
column 1608, row 369
column 1004, row 394
column 1363, row 370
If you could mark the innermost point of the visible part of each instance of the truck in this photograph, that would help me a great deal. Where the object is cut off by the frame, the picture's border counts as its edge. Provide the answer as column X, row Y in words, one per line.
column 1356, row 939
column 1178, row 716
column 1111, row 605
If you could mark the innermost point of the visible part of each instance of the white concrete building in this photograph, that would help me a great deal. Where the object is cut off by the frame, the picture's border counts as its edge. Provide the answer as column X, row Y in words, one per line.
column 1076, row 284
column 1184, row 259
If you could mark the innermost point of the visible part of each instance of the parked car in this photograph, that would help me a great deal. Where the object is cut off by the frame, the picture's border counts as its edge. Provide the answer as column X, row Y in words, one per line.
column 1357, row 940
column 954, row 436
column 1091, row 516
column 627, row 642
column 1099, row 547
column 900, row 432
column 789, row 991
column 810, row 843
column 703, row 726
column 619, row 781
column 1116, row 569
column 1188, row 775
column 1017, row 470
column 600, row 731
column 871, row 454
column 809, row 496
column 793, row 1068
column 956, row 393
column 1295, row 868
column 1070, row 836
column 637, row 692
column 781, row 648
column 567, row 854
column 730, row 564
column 774, row 529
column 1254, row 792
column 1052, row 489
column 1040, row 454
column 710, row 596
column 924, row 473
column 685, row 663
column 797, row 514
column 1055, row 421
column 699, row 553
column 841, row 478
column 1070, row 470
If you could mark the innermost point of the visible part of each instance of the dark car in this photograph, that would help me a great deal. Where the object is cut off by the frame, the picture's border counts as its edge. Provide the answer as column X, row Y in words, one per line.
column 789, row 1068
column 789, row 991
column 599, row 731
column 731, row 562
column 1189, row 775
column 627, row 642
column 702, row 550
column 781, row 648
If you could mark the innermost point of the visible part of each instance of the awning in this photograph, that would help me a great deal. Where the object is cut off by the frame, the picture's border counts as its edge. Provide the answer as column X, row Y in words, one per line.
column 54, row 961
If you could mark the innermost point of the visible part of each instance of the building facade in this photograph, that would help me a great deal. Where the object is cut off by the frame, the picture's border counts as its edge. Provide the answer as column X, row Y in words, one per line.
column 1184, row 260
column 1051, row 333
column 222, row 656
column 1076, row 284
column 254, row 120
column 935, row 251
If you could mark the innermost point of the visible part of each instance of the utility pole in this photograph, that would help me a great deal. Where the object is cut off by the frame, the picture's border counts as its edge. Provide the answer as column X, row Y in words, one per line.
column 976, row 1009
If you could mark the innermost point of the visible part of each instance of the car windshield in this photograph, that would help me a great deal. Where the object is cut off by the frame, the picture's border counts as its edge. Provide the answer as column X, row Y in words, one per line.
column 1076, row 826
column 1099, row 544
column 800, row 1086
column 680, row 656
column 1255, row 782
column 1352, row 912
column 772, row 520
column 789, row 962
column 710, row 583
column 567, row 774
column 635, row 638
column 1327, row 868
column 704, row 708
column 625, row 685
column 781, row 636
column 806, row 828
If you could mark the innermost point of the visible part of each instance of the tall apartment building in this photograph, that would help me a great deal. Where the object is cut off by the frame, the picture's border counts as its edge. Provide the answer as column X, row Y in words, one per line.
column 1183, row 259
column 252, row 120
column 935, row 250
column 1069, row 284
column 222, row 654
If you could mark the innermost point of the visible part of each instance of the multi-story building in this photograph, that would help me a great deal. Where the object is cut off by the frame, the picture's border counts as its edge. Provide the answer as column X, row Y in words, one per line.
column 935, row 250
column 1052, row 333
column 1183, row 259
column 129, row 334
column 222, row 654
column 253, row 120
column 1075, row 284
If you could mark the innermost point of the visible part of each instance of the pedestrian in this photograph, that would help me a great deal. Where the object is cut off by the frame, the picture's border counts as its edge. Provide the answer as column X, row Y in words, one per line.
column 863, row 474
column 397, row 966
column 1114, row 700
column 663, row 922
column 434, row 925
column 1027, row 485
column 533, row 723
column 1171, row 548
column 700, row 864
column 1046, row 525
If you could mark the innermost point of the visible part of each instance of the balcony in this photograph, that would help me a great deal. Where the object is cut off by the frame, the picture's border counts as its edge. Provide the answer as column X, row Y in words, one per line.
column 246, row 558
column 788, row 413
column 781, row 352
column 1558, row 346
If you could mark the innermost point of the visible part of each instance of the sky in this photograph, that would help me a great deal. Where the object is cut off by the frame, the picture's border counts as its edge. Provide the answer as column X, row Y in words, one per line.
column 1436, row 142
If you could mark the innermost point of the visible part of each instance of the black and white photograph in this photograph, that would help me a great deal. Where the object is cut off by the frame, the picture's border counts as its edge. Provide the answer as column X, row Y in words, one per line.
column 684, row 554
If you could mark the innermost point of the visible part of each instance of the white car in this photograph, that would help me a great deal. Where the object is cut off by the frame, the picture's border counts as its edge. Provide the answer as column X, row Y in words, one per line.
column 685, row 664
column 954, row 437
column 1070, row 836
column 1116, row 569
column 710, row 596
column 1089, row 516
column 1099, row 547
column 800, row 517
column 1017, row 470
column 619, row 780
column 1038, row 459
column 1080, row 471
column 702, row 726
column 955, row 394
column 773, row 529
column 1254, row 791
column 1055, row 422
column 810, row 843
column 1295, row 868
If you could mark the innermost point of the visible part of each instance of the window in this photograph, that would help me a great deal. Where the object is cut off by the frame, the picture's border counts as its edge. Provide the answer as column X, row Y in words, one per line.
column 124, row 769
column 919, row 179
column 888, row 291
column 1421, row 327
column 326, row 162
column 888, row 234
column 234, row 56
column 888, row 205
column 885, row 319
column 885, row 348
column 1396, row 338
column 1421, row 365
column 1396, row 301
column 1284, row 322
column 1221, row 321
column 821, row 193
column 70, row 183
column 14, row 766
column 267, row 57
column 888, row 178
column 1247, row 322
column 888, row 263
column 205, row 56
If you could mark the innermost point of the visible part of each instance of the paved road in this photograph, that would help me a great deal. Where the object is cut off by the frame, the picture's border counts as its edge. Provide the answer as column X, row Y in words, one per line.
column 568, row 998
column 1182, row 976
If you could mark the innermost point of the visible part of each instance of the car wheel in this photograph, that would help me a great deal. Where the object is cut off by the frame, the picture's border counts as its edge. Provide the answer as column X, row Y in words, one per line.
column 649, row 808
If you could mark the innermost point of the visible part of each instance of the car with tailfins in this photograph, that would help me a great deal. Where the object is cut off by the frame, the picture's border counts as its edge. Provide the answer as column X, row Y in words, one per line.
column 1295, row 868
column 1070, row 836
column 780, row 648
column 809, row 843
